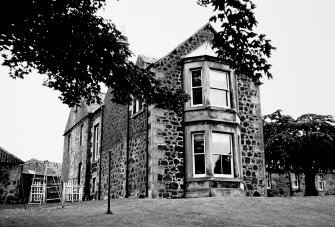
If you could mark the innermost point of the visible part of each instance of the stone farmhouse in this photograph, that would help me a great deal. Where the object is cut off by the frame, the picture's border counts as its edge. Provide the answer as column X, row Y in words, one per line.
column 214, row 148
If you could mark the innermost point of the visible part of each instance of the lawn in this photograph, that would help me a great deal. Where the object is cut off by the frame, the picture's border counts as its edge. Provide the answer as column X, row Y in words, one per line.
column 213, row 211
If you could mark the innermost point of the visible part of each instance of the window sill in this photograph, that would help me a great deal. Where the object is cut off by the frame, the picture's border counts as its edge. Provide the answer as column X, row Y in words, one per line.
column 95, row 161
column 191, row 179
column 203, row 107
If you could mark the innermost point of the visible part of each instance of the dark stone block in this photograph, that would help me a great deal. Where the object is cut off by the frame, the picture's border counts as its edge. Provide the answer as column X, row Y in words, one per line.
column 173, row 185
column 167, row 178
column 250, row 187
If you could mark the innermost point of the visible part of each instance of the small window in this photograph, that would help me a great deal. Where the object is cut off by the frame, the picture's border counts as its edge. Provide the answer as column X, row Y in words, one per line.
column 222, row 154
column 93, row 184
column 136, row 106
column 96, row 143
column 219, row 88
column 198, row 154
column 268, row 181
column 68, row 143
column 81, row 134
column 196, row 95
column 320, row 182
column 295, row 181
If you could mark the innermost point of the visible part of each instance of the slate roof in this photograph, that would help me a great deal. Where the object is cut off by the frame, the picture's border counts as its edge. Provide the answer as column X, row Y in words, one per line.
column 207, row 25
column 95, row 106
column 6, row 157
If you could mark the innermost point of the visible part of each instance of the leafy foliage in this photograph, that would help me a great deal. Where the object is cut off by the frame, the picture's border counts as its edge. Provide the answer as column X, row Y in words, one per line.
column 77, row 50
column 237, row 44
column 305, row 145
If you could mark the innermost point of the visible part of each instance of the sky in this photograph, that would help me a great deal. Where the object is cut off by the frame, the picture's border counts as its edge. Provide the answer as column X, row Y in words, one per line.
column 33, row 118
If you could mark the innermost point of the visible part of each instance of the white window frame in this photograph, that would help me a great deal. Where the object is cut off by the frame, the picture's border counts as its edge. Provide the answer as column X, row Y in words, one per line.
column 96, row 142
column 295, row 181
column 321, row 182
column 225, row 91
column 204, row 153
column 231, row 175
column 202, row 92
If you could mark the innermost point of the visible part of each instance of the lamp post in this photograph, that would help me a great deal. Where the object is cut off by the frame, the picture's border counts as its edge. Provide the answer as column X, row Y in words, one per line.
column 109, row 183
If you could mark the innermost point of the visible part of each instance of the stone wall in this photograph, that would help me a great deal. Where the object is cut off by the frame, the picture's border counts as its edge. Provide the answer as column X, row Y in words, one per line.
column 9, row 183
column 93, row 166
column 114, row 134
column 79, row 155
column 137, row 177
column 166, row 155
column 280, row 185
column 251, row 137
column 166, row 161
column 128, row 170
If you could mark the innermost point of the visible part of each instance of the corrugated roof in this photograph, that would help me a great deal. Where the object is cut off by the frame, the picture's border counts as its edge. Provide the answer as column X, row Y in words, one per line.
column 6, row 157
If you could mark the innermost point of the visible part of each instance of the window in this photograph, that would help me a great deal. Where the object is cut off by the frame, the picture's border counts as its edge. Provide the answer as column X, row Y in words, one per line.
column 81, row 134
column 136, row 105
column 93, row 184
column 222, row 154
column 68, row 143
column 196, row 94
column 295, row 181
column 219, row 88
column 96, row 142
column 320, row 182
column 79, row 172
column 268, row 181
column 198, row 154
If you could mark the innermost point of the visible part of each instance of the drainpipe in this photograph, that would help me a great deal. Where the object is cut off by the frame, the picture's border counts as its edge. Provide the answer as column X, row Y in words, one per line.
column 147, row 150
column 127, row 152
column 100, row 150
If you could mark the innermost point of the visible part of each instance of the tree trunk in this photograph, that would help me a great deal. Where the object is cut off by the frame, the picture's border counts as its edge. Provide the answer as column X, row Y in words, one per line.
column 310, row 189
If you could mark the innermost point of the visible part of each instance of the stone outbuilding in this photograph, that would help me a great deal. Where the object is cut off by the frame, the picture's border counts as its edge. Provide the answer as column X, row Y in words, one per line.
column 292, row 184
column 10, row 174
column 213, row 148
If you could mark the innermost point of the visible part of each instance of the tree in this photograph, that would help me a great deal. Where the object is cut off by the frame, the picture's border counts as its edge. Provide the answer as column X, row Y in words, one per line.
column 237, row 44
column 305, row 145
column 77, row 49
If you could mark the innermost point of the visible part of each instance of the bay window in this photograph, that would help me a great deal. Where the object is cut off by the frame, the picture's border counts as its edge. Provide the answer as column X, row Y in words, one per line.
column 196, row 84
column 212, row 151
column 222, row 154
column 219, row 88
column 198, row 153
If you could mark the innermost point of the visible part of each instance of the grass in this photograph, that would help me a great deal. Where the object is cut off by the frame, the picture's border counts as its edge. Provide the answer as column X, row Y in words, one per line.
column 213, row 211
